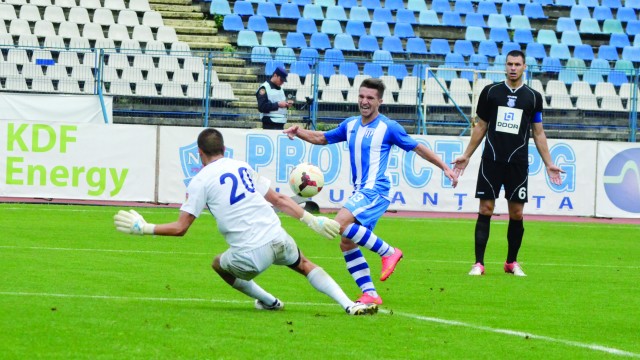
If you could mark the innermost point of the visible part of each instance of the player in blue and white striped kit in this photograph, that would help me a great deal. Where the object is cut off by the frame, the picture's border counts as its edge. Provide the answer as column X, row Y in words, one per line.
column 370, row 137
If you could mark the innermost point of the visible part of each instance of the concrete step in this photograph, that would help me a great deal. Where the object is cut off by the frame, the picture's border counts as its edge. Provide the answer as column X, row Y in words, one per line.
column 203, row 39
column 245, row 88
column 176, row 8
column 190, row 23
column 194, row 29
column 235, row 70
column 208, row 46
column 228, row 60
column 237, row 78
column 182, row 15
column 170, row 2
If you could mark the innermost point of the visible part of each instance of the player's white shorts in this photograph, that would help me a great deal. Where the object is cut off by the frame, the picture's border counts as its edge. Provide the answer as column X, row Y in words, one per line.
column 247, row 264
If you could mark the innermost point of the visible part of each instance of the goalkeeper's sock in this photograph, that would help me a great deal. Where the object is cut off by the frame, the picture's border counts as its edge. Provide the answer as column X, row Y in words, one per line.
column 321, row 281
column 515, row 231
column 365, row 237
column 359, row 270
column 251, row 289
column 483, row 225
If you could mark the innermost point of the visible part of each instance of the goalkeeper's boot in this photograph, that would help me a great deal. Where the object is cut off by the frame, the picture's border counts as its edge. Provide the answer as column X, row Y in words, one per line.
column 368, row 299
column 389, row 264
column 514, row 268
column 362, row 309
column 277, row 305
column 477, row 269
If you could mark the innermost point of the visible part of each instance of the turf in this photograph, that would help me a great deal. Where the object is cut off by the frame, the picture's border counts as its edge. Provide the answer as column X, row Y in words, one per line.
column 73, row 288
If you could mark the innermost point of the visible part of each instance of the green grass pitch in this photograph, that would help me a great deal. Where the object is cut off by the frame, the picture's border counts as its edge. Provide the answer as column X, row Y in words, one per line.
column 74, row 288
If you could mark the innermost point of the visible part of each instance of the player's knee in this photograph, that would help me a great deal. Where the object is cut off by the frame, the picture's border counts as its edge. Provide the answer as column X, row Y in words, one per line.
column 216, row 264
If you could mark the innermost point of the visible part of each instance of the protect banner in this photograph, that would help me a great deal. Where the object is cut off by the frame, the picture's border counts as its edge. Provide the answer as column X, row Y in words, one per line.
column 417, row 185
column 618, row 192
column 77, row 161
column 55, row 108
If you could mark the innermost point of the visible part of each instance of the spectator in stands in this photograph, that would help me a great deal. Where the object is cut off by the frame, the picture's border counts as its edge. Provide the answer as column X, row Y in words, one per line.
column 506, row 111
column 272, row 102
column 370, row 137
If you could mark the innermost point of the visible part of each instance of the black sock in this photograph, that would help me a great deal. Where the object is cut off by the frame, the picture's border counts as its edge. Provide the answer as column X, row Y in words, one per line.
column 482, row 236
column 514, row 237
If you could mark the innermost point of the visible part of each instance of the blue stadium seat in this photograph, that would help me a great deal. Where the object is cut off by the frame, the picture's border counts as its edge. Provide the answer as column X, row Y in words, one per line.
column 444, row 72
column 271, row 65
column 508, row 47
column 593, row 76
column 532, row 64
column 403, row 30
column 571, row 38
column 584, row 52
column 440, row 6
column 416, row 5
column 300, row 67
column 359, row 13
column 296, row 40
column 612, row 26
column 320, row 41
column 232, row 22
column 260, row 54
column 566, row 24
column 497, row 21
column 568, row 3
column 523, row 36
column 614, row 4
column 379, row 29
column 309, row 55
column 547, row 37
column 323, row 3
column 551, row 65
column 439, row 47
column 331, row 27
column 368, row 43
column 589, row 3
column 474, row 33
column 475, row 19
column 631, row 53
column 382, row 15
column 306, row 26
column 536, row 50
column 464, row 7
column 626, row 14
column 382, row 57
column 608, row 52
column 398, row 70
column 510, row 9
column 560, row 51
column 633, row 27
column 247, row 38
column 349, row 69
column 371, row 4
column 450, row 18
column 313, row 11
column 271, row 39
column 589, row 26
column 278, row 2
column 617, row 77
column 336, row 12
column 394, row 5
column 285, row 54
column 579, row 12
column 334, row 56
column 619, row 40
column 534, row 11
column 344, row 42
column 488, row 48
column 257, row 23
column 519, row 22
column 454, row 60
column 568, row 76
column 602, row 13
column 486, row 8
column 479, row 62
column 373, row 70
column 348, row 4
column 428, row 17
column 499, row 34
column 416, row 46
column 301, row 2
column 267, row 9
column 406, row 16
column 220, row 7
column 355, row 28
column 600, row 64
column 463, row 47
column 243, row 8
column 290, row 11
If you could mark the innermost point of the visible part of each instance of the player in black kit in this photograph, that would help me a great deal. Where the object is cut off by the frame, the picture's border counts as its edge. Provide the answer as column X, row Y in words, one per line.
column 506, row 111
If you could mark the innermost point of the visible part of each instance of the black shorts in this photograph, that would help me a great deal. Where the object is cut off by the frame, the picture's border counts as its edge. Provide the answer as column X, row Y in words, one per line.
column 270, row 125
column 493, row 175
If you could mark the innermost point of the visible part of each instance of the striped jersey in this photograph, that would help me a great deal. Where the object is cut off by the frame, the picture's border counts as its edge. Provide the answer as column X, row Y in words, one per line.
column 369, row 149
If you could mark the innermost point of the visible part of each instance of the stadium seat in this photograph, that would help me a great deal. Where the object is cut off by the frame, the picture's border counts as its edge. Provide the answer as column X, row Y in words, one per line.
column 546, row 37
column 379, row 29
column 474, row 19
column 631, row 53
column 519, row 22
column 612, row 26
column 589, row 26
column 536, row 50
column 463, row 47
column 593, row 76
column 568, row 76
column 260, row 54
column 344, row 42
column 359, row 13
column 576, row 64
column 166, row 34
column 300, row 67
column 464, row 7
column 497, row 21
column 368, row 43
column 153, row 19
column 232, row 22
column 30, row 13
column 440, row 6
column 393, row 44
column 428, row 17
column 355, row 28
column 587, row 102
column 439, row 47
column 403, row 30
column 571, row 38
column 584, row 52
column 114, row 4
column 416, row 5
column 267, row 9
column 556, row 87
column 326, row 69
column 617, row 77
column 499, row 34
column 271, row 39
column 313, row 11
column 475, row 33
column 257, row 23
column 382, row 15
column 336, row 12
column 309, row 55
column 534, row 11
column 349, row 69
column 614, row 4
column 579, row 88
column 608, row 52
column 306, row 26
column 602, row 13
column 611, row 103
column 399, row 71
column 488, row 48
column 371, row 4
column 247, row 38
column 450, row 18
column 579, row 12
column 551, row 65
column 382, row 57
column 625, row 66
column 128, row 18
column 486, row 8
column 394, row 5
column 619, row 40
column 510, row 9
column 331, row 27
column 454, row 60
column 19, row 27
column 566, row 24
column 290, row 11
column 373, row 70
column 243, row 8
column 220, row 7
column 319, row 41
column 405, row 16
column 523, row 36
column 348, row 4
column 479, row 62
column 600, row 64
column 416, row 46
column 625, row 14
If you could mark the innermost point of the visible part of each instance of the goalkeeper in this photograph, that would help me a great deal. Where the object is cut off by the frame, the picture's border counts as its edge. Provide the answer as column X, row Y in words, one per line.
column 239, row 200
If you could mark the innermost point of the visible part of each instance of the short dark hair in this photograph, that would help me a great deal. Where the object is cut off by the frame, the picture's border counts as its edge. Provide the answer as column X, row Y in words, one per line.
column 210, row 141
column 517, row 53
column 376, row 84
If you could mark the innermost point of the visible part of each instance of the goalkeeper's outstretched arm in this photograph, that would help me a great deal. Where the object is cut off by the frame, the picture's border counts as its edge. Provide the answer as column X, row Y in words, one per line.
column 130, row 222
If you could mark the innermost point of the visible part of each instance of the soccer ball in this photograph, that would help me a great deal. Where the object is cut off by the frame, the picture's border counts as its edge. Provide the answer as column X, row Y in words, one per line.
column 306, row 180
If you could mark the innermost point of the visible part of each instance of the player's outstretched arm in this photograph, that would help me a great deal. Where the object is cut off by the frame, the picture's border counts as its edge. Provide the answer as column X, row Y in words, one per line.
column 311, row 136
column 433, row 158
column 322, row 225
column 540, row 139
column 130, row 222
column 477, row 134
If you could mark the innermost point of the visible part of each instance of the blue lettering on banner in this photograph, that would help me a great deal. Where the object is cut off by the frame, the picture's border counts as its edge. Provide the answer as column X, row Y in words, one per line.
column 339, row 198
column 427, row 199
column 290, row 154
column 398, row 197
column 448, row 150
column 461, row 197
column 420, row 178
column 538, row 199
column 259, row 151
column 394, row 176
column 331, row 156
column 566, row 202
column 564, row 157
column 191, row 163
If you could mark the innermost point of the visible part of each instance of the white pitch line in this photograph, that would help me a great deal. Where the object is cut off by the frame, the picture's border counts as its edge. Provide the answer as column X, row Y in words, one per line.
column 594, row 347
column 158, row 252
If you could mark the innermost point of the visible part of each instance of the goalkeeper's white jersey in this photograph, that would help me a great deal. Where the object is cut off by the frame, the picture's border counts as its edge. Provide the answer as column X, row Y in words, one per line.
column 234, row 194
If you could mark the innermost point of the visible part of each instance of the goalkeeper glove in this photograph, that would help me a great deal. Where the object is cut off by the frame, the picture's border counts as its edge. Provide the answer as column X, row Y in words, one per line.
column 322, row 225
column 130, row 222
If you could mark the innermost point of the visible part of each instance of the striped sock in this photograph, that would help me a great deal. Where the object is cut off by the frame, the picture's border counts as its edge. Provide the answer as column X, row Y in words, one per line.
column 365, row 237
column 359, row 270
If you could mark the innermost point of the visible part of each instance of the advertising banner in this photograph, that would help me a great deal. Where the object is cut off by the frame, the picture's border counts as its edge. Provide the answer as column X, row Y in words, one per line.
column 618, row 191
column 77, row 161
column 54, row 108
column 417, row 185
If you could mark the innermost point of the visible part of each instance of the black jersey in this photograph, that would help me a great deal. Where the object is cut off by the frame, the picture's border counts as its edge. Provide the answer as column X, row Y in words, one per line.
column 509, row 114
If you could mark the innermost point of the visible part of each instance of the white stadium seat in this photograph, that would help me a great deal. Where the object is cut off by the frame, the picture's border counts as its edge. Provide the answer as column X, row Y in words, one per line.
column 155, row 48
column 7, row 12
column 114, row 4
column 103, row 17
column 172, row 90
column 195, row 91
column 168, row 63
column 42, row 85
column 222, row 91
column 118, row 61
column 579, row 88
column 16, row 84
column 152, row 19
column 90, row 4
column 109, row 74
column 6, row 40
column 132, row 75
column 339, row 82
column 19, row 27
column 68, row 58
column 120, row 88
column 28, row 40
column 31, row 71
column 65, row 3
column 54, row 41
column 146, row 89
column 92, row 31
column 30, row 13
column 17, row 56
column 611, row 103
column 79, row 15
column 166, row 34
column 143, row 62
column 157, row 76
column 390, row 82
column 57, row 72
column 41, row 2
column 182, row 76
column 55, row 14
column 128, row 18
column 104, row 44
column 587, row 102
column 71, row 86
column 118, row 32
column 69, row 30
column 180, row 48
column 332, row 95
column 130, row 46
column 82, row 73
column 142, row 33
column 9, row 70
column 139, row 5
column 44, row 28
